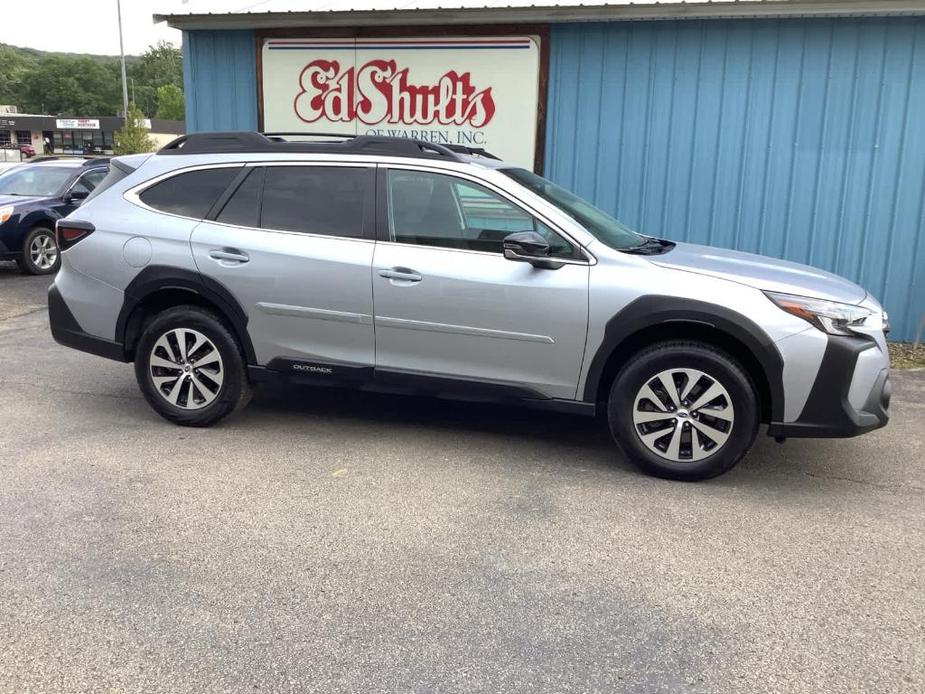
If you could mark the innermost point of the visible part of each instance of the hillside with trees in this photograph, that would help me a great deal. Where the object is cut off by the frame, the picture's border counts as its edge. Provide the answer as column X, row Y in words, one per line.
column 74, row 84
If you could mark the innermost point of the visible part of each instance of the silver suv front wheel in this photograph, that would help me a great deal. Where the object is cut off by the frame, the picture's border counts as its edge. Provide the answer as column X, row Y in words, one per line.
column 683, row 415
column 683, row 410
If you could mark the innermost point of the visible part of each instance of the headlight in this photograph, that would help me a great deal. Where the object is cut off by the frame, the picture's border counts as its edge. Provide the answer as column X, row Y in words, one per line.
column 829, row 316
column 5, row 213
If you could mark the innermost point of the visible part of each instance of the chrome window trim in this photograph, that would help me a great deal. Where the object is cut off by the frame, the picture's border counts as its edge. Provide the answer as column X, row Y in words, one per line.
column 564, row 261
column 282, row 231
column 589, row 258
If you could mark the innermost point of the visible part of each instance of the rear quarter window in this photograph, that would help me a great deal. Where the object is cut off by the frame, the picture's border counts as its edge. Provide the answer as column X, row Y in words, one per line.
column 189, row 194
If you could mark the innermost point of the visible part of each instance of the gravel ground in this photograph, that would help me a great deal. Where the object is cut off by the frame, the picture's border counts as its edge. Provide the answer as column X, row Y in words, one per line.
column 904, row 355
column 328, row 541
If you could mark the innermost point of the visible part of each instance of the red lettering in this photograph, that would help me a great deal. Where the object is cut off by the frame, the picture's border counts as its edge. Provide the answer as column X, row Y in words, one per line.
column 379, row 92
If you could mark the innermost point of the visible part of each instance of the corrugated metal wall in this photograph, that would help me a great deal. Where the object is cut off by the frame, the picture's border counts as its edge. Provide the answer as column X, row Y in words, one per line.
column 799, row 139
column 220, row 74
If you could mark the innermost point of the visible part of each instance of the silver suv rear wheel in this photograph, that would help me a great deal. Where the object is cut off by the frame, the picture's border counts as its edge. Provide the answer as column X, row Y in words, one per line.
column 190, row 366
column 186, row 368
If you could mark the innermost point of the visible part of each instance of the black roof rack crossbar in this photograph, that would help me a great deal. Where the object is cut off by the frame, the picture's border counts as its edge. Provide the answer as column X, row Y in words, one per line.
column 474, row 151
column 309, row 134
column 343, row 143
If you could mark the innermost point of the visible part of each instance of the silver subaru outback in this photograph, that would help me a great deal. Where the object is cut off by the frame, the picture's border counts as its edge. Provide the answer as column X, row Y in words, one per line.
column 230, row 259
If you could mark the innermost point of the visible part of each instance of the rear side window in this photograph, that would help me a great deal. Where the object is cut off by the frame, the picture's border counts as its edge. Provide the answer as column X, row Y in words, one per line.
column 190, row 194
column 243, row 207
column 328, row 200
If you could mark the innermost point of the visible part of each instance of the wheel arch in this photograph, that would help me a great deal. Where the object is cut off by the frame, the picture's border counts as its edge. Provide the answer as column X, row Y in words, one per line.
column 37, row 218
column 157, row 288
column 652, row 319
column 16, row 239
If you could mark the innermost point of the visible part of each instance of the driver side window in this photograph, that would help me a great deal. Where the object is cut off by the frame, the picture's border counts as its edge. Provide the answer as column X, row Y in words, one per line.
column 436, row 210
column 89, row 181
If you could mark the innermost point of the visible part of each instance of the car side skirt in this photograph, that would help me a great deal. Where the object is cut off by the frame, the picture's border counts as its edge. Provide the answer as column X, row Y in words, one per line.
column 371, row 379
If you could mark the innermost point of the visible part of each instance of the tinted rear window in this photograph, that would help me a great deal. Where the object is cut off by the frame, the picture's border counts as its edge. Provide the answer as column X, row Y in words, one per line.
column 190, row 194
column 325, row 200
column 243, row 207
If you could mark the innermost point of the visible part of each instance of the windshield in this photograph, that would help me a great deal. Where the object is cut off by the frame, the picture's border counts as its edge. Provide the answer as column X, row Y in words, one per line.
column 32, row 180
column 598, row 223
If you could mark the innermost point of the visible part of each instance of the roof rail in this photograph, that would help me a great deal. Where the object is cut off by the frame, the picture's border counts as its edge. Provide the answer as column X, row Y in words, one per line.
column 338, row 143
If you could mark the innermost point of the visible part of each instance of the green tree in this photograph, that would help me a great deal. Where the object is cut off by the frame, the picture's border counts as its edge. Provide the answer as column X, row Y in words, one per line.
column 159, row 65
column 13, row 67
column 169, row 102
column 75, row 86
column 132, row 138
column 86, row 85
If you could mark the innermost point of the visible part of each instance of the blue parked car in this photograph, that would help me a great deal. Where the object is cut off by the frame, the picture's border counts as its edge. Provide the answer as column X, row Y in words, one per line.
column 32, row 198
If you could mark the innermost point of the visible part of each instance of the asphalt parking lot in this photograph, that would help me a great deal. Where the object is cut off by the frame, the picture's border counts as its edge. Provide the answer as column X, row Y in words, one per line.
column 327, row 541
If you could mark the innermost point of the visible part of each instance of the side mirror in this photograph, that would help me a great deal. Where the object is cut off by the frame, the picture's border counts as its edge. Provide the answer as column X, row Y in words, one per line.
column 529, row 247
column 76, row 195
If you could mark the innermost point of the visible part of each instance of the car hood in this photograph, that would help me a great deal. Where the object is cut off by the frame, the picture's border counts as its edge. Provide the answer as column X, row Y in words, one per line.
column 19, row 199
column 761, row 272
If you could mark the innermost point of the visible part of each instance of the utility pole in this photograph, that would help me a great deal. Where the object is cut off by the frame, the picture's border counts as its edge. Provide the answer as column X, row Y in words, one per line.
column 122, row 56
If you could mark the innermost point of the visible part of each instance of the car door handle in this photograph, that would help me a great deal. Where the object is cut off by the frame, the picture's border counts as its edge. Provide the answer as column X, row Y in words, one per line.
column 401, row 273
column 231, row 255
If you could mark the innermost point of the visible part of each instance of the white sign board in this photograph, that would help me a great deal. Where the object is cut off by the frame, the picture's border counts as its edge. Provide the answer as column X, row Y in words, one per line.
column 478, row 92
column 77, row 124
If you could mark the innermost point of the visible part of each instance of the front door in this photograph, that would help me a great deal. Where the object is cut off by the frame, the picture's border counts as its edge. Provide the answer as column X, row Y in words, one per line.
column 294, row 245
column 447, row 302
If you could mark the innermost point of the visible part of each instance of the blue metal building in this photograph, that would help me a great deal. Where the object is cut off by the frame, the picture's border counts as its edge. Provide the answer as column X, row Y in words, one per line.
column 792, row 128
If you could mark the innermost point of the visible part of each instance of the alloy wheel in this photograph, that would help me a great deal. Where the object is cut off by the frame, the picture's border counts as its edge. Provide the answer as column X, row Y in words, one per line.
column 186, row 368
column 683, row 415
column 43, row 251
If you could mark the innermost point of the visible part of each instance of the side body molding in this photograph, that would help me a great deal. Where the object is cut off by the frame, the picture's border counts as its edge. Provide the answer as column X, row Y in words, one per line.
column 155, row 278
column 656, row 310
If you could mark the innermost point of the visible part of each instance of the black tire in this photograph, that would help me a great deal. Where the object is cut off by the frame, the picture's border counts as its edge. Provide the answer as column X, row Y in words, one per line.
column 718, row 366
column 231, row 395
column 25, row 261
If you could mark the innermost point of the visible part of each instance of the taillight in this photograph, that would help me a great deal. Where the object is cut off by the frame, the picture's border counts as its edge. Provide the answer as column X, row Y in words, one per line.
column 71, row 231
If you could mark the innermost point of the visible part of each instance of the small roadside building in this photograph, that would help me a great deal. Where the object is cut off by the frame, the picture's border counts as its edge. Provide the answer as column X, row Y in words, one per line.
column 792, row 128
column 50, row 134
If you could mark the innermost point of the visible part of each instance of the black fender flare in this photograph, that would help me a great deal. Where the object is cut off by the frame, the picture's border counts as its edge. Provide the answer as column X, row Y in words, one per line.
column 38, row 218
column 156, row 278
column 656, row 310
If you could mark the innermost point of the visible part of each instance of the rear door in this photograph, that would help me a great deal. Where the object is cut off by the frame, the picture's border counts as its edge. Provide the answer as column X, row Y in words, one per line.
column 294, row 244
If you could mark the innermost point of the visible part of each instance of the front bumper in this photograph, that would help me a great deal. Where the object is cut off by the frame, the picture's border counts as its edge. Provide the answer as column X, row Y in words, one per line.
column 6, row 253
column 850, row 396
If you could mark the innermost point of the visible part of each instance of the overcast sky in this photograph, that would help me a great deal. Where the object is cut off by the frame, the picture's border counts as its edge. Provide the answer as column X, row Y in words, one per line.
column 86, row 27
